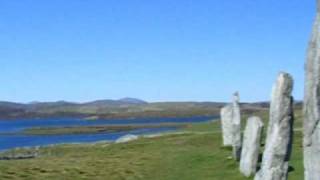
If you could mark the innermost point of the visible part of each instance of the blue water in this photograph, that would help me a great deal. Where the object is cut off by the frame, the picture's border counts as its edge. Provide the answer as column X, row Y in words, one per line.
column 17, row 139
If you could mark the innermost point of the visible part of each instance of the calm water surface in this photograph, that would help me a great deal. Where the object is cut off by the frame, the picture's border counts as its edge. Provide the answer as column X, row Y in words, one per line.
column 8, row 141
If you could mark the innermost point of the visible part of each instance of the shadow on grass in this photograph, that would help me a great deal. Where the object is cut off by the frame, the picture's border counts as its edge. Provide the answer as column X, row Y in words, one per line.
column 291, row 169
column 227, row 148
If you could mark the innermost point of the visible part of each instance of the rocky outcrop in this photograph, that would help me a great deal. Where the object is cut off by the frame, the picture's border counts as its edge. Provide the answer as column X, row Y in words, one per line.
column 312, row 104
column 280, row 131
column 251, row 146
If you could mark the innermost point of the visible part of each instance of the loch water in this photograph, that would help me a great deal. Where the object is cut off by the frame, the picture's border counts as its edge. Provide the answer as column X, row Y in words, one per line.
column 11, row 135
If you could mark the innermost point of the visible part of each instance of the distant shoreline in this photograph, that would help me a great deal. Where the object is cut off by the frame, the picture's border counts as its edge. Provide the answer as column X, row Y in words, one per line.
column 96, row 129
column 128, row 108
column 107, row 117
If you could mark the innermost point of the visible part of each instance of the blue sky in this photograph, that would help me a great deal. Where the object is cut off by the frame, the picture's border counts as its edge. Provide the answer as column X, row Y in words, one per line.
column 166, row 50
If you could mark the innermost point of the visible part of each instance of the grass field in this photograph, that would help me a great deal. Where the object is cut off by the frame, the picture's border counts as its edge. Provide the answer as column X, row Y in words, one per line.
column 195, row 155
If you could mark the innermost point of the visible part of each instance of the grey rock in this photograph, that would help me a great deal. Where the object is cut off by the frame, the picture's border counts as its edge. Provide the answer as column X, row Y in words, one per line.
column 251, row 146
column 311, row 128
column 280, row 131
column 236, row 129
column 226, row 122
column 231, row 126
column 127, row 138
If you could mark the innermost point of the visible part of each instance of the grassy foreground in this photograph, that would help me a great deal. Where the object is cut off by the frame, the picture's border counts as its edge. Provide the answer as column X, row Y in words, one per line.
column 196, row 155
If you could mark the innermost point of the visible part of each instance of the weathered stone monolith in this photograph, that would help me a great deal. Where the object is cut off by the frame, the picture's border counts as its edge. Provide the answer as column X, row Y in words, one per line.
column 311, row 142
column 251, row 146
column 231, row 124
column 236, row 130
column 226, row 122
column 280, row 131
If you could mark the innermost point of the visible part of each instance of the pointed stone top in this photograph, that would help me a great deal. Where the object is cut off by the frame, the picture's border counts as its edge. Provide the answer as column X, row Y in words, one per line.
column 257, row 120
column 236, row 97
column 284, row 74
column 284, row 77
column 282, row 87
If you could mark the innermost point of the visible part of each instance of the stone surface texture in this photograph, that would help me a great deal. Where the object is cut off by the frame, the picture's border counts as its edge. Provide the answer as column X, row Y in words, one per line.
column 231, row 126
column 280, row 132
column 311, row 142
column 251, row 146
column 236, row 129
column 226, row 122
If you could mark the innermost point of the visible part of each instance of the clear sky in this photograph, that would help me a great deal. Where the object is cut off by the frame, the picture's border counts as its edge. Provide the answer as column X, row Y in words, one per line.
column 164, row 50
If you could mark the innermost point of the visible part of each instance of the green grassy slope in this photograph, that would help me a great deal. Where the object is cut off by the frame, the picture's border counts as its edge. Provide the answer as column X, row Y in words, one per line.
column 196, row 155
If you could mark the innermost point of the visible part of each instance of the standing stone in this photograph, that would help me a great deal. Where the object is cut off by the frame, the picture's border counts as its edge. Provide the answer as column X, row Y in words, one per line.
column 280, row 131
column 231, row 124
column 236, row 129
column 251, row 146
column 311, row 142
column 226, row 122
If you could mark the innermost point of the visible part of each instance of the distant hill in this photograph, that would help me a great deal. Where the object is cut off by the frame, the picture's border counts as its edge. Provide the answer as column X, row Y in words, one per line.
column 122, row 108
column 132, row 101
column 120, row 102
column 64, row 108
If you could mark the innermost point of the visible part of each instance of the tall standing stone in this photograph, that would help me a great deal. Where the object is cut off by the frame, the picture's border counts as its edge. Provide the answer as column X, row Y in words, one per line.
column 231, row 124
column 280, row 131
column 236, row 129
column 226, row 122
column 311, row 142
column 251, row 146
